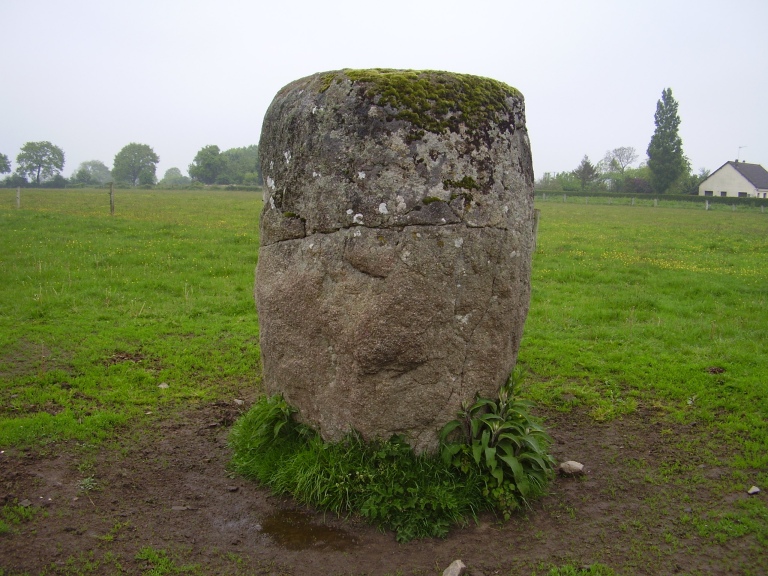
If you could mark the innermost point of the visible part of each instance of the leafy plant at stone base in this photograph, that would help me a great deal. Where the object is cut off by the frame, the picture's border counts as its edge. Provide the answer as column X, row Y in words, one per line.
column 500, row 440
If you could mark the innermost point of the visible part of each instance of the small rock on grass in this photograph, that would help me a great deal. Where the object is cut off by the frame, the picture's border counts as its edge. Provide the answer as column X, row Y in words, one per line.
column 571, row 468
column 754, row 490
column 457, row 568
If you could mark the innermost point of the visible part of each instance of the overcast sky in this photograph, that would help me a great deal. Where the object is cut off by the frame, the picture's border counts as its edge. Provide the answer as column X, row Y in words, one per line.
column 94, row 75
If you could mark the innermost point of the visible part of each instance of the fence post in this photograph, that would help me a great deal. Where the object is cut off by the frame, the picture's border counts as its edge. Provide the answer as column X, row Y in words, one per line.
column 633, row 201
column 655, row 202
column 543, row 195
column 706, row 204
column 111, row 199
column 18, row 197
column 762, row 209
column 563, row 197
column 733, row 207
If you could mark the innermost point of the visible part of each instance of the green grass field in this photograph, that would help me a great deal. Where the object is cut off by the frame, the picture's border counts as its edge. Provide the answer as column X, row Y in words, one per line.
column 97, row 312
column 652, row 305
column 108, row 321
column 629, row 305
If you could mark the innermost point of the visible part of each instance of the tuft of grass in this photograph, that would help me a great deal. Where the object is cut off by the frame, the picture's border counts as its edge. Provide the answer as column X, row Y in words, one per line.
column 12, row 515
column 571, row 570
column 160, row 564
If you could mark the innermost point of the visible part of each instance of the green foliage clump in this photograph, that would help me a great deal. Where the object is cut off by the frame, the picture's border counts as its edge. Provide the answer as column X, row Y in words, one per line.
column 384, row 481
column 504, row 444
column 431, row 100
column 135, row 164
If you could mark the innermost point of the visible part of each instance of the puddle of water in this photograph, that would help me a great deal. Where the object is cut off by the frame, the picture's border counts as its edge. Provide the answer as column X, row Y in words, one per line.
column 296, row 531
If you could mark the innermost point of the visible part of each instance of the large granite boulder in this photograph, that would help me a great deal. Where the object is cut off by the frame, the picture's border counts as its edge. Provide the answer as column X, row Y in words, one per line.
column 394, row 270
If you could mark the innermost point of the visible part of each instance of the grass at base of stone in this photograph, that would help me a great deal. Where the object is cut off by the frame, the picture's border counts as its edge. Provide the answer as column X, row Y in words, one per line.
column 384, row 482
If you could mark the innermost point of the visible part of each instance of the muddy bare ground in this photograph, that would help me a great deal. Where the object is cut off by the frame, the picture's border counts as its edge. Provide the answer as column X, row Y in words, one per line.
column 168, row 488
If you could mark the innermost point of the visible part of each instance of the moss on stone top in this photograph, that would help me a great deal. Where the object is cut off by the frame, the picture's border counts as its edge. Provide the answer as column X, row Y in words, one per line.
column 430, row 100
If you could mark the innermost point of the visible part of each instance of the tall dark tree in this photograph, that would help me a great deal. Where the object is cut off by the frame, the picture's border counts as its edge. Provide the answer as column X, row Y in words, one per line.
column 5, row 164
column 40, row 161
column 665, row 151
column 207, row 165
column 586, row 172
column 134, row 164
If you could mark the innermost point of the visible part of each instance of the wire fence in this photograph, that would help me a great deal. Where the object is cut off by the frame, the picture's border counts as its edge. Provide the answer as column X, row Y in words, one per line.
column 694, row 203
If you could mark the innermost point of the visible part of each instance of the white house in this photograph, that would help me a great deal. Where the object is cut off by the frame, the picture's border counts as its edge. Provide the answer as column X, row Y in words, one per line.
column 738, row 180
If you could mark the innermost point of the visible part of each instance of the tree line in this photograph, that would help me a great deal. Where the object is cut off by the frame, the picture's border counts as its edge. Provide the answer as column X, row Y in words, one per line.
column 666, row 171
column 41, row 164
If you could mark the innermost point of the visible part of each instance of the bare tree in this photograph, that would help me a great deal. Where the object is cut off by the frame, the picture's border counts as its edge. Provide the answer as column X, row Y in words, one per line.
column 618, row 159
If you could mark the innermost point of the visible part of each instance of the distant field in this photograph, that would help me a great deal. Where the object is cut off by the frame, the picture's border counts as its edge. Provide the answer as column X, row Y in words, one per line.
column 630, row 305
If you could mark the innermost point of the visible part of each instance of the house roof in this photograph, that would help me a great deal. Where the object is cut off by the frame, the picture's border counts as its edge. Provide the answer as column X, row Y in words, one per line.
column 755, row 173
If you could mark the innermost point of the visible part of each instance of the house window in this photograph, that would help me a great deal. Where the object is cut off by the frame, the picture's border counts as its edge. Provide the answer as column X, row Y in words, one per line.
column 742, row 194
column 708, row 193
column 723, row 193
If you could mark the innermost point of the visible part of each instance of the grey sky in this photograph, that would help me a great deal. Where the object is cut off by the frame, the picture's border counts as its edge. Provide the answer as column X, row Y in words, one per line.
column 93, row 76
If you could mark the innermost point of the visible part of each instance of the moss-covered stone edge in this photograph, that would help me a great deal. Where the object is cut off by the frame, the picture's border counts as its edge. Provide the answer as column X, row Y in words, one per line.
column 431, row 100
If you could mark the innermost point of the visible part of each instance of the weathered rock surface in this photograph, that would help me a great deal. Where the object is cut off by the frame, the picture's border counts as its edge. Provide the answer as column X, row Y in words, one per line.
column 394, row 270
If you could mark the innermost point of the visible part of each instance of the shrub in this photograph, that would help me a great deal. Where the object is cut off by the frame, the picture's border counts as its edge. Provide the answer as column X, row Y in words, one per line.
column 504, row 443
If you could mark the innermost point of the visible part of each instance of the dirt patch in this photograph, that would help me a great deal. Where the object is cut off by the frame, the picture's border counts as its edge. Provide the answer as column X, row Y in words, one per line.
column 169, row 489
column 24, row 357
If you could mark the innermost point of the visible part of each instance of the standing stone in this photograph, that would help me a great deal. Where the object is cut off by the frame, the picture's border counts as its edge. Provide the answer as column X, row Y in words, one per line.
column 394, row 271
